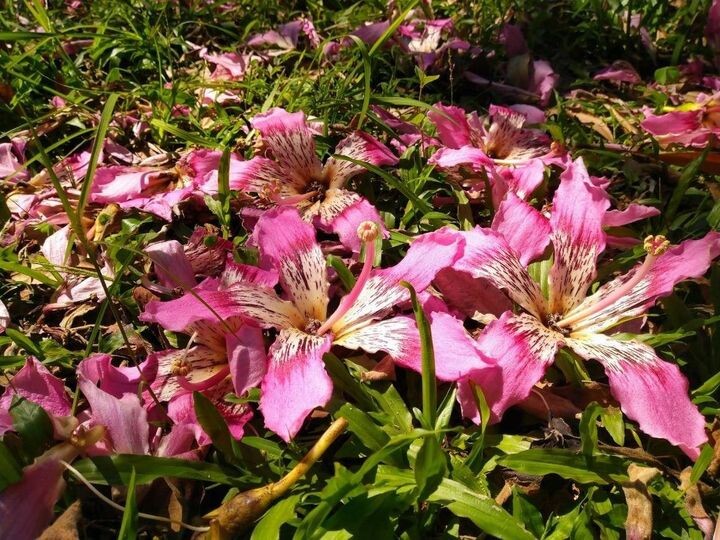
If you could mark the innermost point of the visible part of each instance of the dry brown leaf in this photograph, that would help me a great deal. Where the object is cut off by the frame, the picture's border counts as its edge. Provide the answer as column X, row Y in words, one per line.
column 639, row 518
column 693, row 504
column 627, row 126
column 65, row 527
column 595, row 122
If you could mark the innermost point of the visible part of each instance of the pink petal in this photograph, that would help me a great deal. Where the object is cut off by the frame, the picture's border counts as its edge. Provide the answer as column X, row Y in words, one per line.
column 235, row 272
column 577, row 219
column 117, row 381
column 200, row 162
column 124, row 418
column 27, row 507
column 371, row 32
column 35, row 383
column 4, row 317
column 488, row 255
column 361, row 147
column 691, row 259
column 512, row 37
column 521, row 349
column 651, row 392
column 619, row 71
column 428, row 254
column 451, row 124
column 345, row 223
column 55, row 246
column 471, row 295
column 247, row 358
column 296, row 381
column 522, row 180
column 290, row 141
column 171, row 265
column 682, row 127
column 544, row 80
column 526, row 230
column 11, row 163
column 634, row 212
column 118, row 184
column 532, row 114
column 456, row 353
column 288, row 244
column 447, row 158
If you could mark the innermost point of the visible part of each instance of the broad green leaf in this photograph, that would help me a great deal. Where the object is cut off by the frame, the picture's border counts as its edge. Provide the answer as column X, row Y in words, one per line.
column 362, row 426
column 525, row 512
column 430, row 467
column 584, row 469
column 612, row 419
column 32, row 424
column 280, row 513
column 214, row 425
column 10, row 469
column 588, row 428
column 702, row 463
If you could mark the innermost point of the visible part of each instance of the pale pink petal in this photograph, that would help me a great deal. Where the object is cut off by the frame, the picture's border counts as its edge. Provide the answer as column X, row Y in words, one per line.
column 488, row 255
column 544, row 80
column 361, row 147
column 172, row 267
column 27, row 507
column 427, row 255
column 11, row 163
column 35, row 383
column 371, row 32
column 201, row 367
column 118, row 184
column 345, row 223
column 290, row 142
column 457, row 354
column 520, row 349
column 288, row 244
column 577, row 219
column 619, row 71
column 471, row 296
column 526, row 230
column 229, row 66
column 296, row 381
column 682, row 127
column 235, row 272
column 451, row 124
column 691, row 259
column 4, row 317
column 532, row 114
column 117, row 381
column 55, row 246
column 125, row 418
column 634, row 212
column 247, row 358
column 652, row 392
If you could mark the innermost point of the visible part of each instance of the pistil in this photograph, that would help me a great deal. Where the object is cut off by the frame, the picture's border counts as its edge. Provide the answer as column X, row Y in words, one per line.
column 367, row 232
column 654, row 246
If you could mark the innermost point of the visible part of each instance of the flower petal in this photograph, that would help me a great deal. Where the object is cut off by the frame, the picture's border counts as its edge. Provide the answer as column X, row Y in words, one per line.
column 471, row 296
column 457, row 354
column 247, row 358
column 451, row 124
column 634, row 212
column 345, row 221
column 488, row 255
column 116, row 381
column 288, row 244
column 290, row 141
column 124, row 418
column 448, row 158
column 652, row 392
column 526, row 230
column 691, row 259
column 361, row 147
column 199, row 363
column 296, row 381
column 577, row 218
column 521, row 349
column 427, row 255
column 171, row 265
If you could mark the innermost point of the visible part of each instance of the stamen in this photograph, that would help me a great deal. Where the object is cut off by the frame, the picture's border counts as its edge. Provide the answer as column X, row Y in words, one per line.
column 654, row 246
column 367, row 233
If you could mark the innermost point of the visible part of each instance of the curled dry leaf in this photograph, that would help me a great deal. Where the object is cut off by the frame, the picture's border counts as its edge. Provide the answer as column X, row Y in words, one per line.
column 639, row 519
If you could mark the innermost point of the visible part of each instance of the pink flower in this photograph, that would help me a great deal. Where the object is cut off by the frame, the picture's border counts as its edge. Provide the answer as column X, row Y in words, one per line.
column 428, row 41
column 295, row 381
column 619, row 71
column 500, row 138
column 691, row 124
column 12, row 159
column 290, row 174
column 286, row 37
column 650, row 391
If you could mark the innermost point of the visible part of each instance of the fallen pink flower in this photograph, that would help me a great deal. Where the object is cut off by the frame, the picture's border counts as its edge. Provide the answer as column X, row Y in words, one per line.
column 691, row 124
column 619, row 71
column 286, row 37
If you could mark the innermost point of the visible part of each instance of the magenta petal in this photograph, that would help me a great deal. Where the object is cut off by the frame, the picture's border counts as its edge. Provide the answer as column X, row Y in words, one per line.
column 634, row 212
column 361, row 147
column 116, row 381
column 296, row 381
column 451, row 124
column 447, row 158
column 247, row 358
column 471, row 295
column 346, row 223
column 619, row 71
column 26, row 508
column 118, row 184
column 171, row 265
column 124, row 418
column 456, row 352
column 526, row 230
column 652, row 392
column 521, row 349
column 578, row 238
column 35, row 383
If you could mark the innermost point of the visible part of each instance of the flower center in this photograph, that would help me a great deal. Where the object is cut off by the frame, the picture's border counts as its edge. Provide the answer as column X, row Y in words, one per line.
column 312, row 326
column 180, row 367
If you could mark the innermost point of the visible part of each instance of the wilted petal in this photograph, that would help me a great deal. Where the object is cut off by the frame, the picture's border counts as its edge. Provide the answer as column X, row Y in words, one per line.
column 117, row 381
column 634, row 212
column 520, row 350
column 447, row 158
column 451, row 124
column 577, row 219
column 11, row 163
column 26, row 507
column 488, row 255
column 55, row 246
column 619, row 71
column 526, row 230
column 4, row 317
column 296, row 381
column 682, row 127
column 119, row 184
column 247, row 358
column 427, row 255
column 361, row 147
column 691, row 259
column 171, row 265
column 288, row 244
column 544, row 80
column 290, row 141
column 652, row 392
column 124, row 418
column 35, row 383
